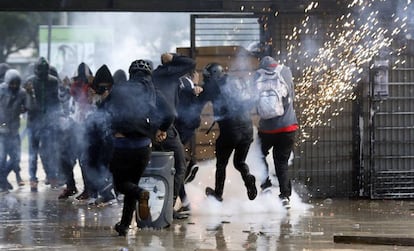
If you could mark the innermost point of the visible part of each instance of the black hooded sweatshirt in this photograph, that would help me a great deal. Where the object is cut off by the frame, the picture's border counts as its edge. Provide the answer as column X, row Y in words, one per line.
column 136, row 110
column 166, row 77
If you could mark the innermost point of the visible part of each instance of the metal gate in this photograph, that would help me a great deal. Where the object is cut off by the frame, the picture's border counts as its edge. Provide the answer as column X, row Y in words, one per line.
column 392, row 137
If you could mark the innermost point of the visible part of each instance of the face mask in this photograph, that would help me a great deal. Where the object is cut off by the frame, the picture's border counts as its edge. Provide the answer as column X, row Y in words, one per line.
column 97, row 99
column 14, row 86
column 42, row 71
column 102, row 88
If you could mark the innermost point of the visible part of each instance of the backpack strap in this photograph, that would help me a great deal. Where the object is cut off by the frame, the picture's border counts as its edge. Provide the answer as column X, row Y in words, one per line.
column 278, row 71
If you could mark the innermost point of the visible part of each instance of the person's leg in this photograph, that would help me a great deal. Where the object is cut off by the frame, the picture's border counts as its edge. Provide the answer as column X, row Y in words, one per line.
column 281, row 154
column 185, row 208
column 49, row 144
column 239, row 160
column 224, row 149
column 104, row 184
column 14, row 152
column 3, row 168
column 192, row 167
column 173, row 143
column 266, row 143
column 127, row 167
column 33, row 138
column 66, row 164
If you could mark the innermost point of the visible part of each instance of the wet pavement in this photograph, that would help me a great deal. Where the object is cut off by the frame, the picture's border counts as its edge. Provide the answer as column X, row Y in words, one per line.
column 39, row 221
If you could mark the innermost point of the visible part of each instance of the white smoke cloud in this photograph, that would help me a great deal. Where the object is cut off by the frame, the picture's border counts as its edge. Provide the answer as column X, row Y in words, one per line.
column 137, row 35
column 235, row 200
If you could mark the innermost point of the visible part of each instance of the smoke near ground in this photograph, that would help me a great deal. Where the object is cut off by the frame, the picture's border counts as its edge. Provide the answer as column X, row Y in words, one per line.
column 235, row 200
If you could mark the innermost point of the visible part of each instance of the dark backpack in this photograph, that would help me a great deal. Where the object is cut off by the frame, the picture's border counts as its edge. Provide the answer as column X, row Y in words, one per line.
column 273, row 93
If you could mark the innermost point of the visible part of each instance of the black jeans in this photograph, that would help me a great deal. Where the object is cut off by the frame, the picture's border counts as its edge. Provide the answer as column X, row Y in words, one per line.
column 127, row 166
column 230, row 139
column 282, row 145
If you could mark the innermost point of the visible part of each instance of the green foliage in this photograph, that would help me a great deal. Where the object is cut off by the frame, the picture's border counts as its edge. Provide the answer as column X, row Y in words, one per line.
column 19, row 30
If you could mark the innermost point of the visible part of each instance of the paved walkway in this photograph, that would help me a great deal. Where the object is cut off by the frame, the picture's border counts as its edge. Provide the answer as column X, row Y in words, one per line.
column 39, row 221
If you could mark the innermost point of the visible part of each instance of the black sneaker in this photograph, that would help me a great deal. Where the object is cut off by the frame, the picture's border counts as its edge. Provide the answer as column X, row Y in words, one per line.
column 250, row 184
column 66, row 193
column 121, row 229
column 104, row 200
column 83, row 196
column 9, row 186
column 33, row 186
column 285, row 202
column 211, row 192
column 191, row 174
column 267, row 184
column 186, row 210
column 178, row 216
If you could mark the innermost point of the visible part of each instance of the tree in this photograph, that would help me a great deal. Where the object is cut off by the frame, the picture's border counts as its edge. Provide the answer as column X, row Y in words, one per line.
column 19, row 30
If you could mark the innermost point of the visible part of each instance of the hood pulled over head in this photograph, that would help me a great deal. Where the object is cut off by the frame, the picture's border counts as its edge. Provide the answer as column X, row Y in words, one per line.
column 13, row 79
column 103, row 80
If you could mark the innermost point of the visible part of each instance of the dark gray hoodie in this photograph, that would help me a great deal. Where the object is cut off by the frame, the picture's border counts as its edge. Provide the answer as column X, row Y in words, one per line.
column 12, row 103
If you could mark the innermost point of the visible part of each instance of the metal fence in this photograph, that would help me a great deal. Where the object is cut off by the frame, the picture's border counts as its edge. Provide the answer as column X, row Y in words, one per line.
column 392, row 139
column 367, row 149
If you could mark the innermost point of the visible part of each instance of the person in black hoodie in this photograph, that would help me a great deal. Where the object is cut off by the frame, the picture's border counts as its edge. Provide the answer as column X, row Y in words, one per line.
column 167, row 79
column 120, row 77
column 135, row 112
column 231, row 106
column 99, row 140
column 42, row 89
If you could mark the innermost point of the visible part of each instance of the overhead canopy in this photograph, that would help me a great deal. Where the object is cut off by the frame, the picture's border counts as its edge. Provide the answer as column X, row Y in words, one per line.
column 256, row 6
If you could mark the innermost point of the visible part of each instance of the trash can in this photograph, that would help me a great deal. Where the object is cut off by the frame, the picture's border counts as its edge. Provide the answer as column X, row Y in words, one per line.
column 158, row 179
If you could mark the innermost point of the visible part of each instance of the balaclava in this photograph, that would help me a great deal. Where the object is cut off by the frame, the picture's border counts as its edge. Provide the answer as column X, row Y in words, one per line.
column 41, row 69
column 13, row 79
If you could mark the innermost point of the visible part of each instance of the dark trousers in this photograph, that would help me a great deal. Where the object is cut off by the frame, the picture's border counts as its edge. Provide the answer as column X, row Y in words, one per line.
column 13, row 149
column 173, row 144
column 43, row 141
column 67, row 160
column 9, row 146
column 127, row 166
column 282, row 145
column 188, row 140
column 239, row 141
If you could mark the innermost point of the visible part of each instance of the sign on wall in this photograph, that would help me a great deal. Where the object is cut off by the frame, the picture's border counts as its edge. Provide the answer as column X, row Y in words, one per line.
column 71, row 45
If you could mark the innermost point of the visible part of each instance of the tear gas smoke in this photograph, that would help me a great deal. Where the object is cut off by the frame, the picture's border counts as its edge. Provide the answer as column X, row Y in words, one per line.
column 235, row 200
column 136, row 35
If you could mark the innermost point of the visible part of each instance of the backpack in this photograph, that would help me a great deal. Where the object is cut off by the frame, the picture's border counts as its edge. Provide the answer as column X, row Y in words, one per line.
column 237, row 89
column 273, row 93
column 233, row 99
